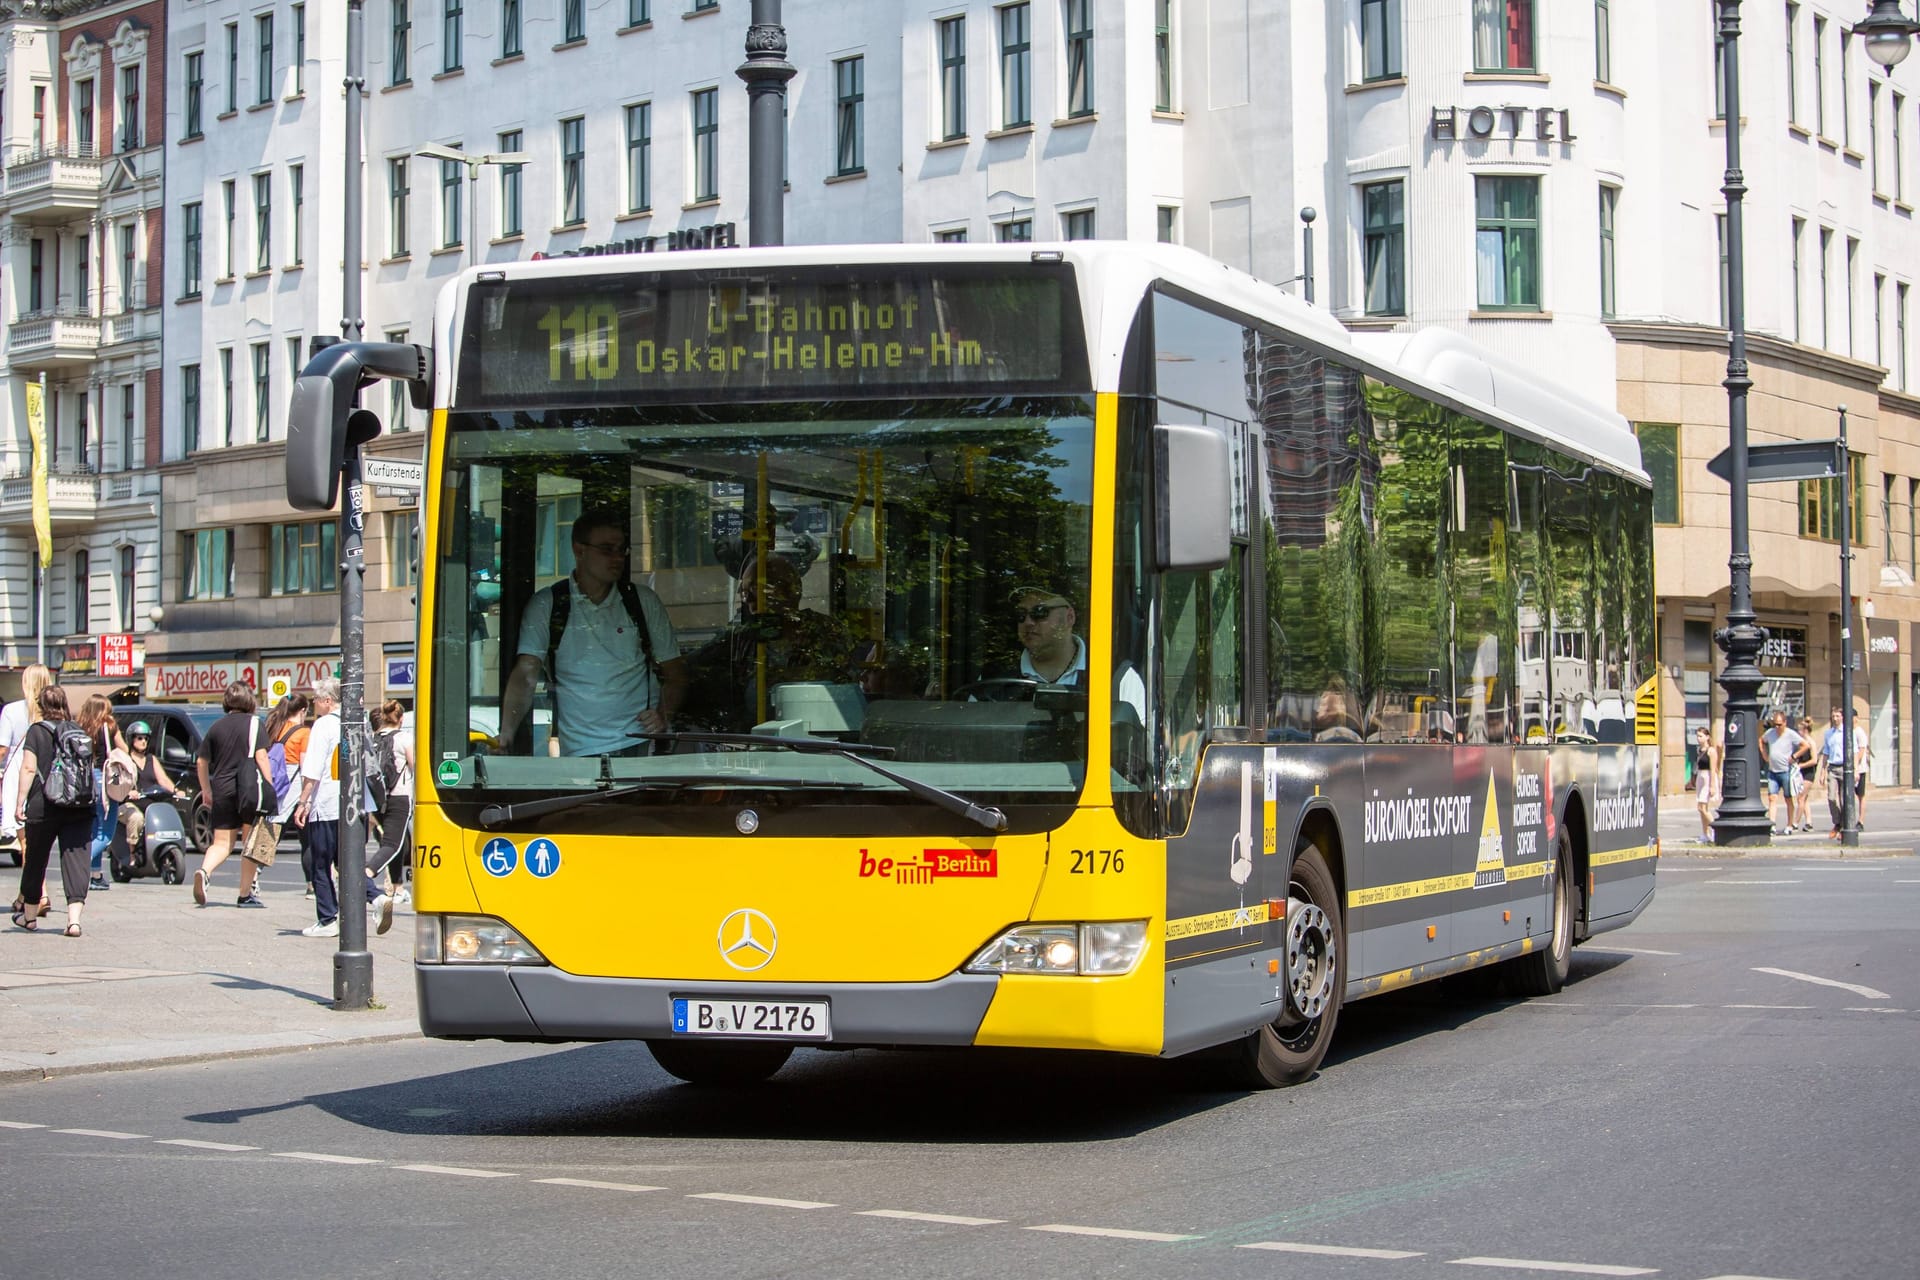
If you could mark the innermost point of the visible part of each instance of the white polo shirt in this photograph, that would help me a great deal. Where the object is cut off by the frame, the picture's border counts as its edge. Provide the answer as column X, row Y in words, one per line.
column 603, row 682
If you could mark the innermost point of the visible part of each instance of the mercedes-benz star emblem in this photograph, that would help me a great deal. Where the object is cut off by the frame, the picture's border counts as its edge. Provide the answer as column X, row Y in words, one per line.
column 747, row 939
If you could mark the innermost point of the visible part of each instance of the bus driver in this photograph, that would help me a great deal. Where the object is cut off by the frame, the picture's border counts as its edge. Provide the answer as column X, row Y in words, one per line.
column 607, row 647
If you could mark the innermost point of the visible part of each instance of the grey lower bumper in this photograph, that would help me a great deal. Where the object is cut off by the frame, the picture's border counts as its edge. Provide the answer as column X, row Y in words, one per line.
column 526, row 1002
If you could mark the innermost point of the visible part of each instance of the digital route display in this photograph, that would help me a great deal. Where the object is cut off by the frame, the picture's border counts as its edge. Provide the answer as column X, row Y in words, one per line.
column 678, row 336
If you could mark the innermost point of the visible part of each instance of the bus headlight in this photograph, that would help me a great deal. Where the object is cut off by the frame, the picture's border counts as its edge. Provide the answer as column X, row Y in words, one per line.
column 1106, row 949
column 470, row 940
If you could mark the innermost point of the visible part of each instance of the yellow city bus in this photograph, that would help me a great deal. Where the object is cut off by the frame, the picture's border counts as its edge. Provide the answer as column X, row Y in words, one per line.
column 1081, row 646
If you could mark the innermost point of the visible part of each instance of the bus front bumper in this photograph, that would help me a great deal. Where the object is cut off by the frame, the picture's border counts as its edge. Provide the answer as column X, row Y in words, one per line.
column 525, row 1002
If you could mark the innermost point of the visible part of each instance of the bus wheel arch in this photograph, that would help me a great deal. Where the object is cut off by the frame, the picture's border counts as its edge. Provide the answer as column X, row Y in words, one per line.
column 1573, row 827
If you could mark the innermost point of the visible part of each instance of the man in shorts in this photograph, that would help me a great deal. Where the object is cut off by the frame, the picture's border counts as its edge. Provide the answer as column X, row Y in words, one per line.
column 1779, row 745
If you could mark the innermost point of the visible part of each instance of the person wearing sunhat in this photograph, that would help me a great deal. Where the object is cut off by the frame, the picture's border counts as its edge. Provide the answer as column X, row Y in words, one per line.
column 148, row 777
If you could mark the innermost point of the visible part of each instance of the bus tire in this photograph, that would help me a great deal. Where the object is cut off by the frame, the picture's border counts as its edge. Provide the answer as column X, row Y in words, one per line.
column 1286, row 1052
column 715, row 1063
column 1543, row 972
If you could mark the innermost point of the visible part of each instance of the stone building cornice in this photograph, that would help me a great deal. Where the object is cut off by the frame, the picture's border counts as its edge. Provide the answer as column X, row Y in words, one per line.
column 1774, row 352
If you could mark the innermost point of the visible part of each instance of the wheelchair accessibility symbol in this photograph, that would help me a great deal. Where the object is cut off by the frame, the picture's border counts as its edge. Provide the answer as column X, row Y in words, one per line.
column 500, row 857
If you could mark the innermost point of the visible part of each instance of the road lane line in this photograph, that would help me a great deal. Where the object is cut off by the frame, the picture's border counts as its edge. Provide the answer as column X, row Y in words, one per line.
column 773, row 1201
column 1838, row 867
column 199, row 1144
column 454, row 1170
column 1753, row 882
column 1766, row 1006
column 1330, row 1250
column 1873, row 1009
column 1858, row 990
column 1743, row 1277
column 1572, row 1268
column 115, row 1134
column 321, row 1157
column 945, row 1219
column 593, row 1185
column 1113, row 1233
column 19, row 1124
column 1629, row 951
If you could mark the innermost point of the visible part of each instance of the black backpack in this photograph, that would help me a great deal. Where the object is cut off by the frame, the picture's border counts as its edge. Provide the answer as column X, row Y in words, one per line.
column 69, row 781
column 385, row 774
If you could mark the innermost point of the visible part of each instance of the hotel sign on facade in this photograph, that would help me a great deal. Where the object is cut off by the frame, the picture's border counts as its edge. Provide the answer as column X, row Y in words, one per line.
column 1513, row 124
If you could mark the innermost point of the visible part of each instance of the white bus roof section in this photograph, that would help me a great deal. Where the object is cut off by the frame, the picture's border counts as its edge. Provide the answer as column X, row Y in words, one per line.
column 1114, row 278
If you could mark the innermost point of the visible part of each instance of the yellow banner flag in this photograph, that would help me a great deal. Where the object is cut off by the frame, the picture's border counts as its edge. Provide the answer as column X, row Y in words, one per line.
column 37, row 433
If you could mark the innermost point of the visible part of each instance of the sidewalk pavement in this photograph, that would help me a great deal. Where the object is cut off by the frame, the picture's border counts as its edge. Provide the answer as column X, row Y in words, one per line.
column 154, row 979
column 1891, row 827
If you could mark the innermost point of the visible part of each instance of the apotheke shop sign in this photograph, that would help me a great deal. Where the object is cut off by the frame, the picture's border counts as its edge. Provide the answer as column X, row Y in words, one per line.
column 1514, row 124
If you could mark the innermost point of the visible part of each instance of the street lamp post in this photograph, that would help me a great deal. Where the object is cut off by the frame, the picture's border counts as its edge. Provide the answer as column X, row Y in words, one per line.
column 475, row 163
column 1888, row 33
column 766, row 72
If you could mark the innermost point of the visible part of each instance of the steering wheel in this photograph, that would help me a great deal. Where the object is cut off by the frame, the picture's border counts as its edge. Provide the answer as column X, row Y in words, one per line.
column 999, row 689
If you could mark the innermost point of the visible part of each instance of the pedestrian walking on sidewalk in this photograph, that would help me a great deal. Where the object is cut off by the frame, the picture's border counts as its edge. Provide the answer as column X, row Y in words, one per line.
column 393, row 756
column 1807, row 760
column 15, row 720
column 1779, row 745
column 312, row 707
column 318, row 812
column 1706, row 778
column 103, row 731
column 52, row 754
column 224, row 755
column 1833, row 746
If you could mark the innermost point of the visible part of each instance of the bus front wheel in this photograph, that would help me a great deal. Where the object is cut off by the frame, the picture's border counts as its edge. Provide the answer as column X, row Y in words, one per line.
column 1543, row 972
column 716, row 1063
column 1289, row 1050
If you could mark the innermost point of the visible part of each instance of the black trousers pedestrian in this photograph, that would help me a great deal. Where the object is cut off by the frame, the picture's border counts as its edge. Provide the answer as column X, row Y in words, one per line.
column 392, row 853
column 72, row 831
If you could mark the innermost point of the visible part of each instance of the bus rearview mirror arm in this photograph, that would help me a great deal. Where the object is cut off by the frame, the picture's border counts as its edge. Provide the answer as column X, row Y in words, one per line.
column 1193, row 497
column 318, row 415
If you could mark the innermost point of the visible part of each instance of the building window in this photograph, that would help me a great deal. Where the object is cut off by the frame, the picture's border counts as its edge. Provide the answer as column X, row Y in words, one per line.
column 293, row 360
column 125, row 600
column 302, row 559
column 80, row 615
column 1799, row 236
column 1166, row 223
column 1380, row 39
column 397, row 194
column 126, row 231
column 450, row 228
column 1889, row 491
column 639, row 157
column 702, row 6
column 1793, row 65
column 1076, row 224
column 207, row 557
column 956, row 235
column 226, row 395
column 1853, row 277
column 849, row 130
column 1660, row 455
column 1163, row 55
column 706, row 144
column 510, row 28
column 1912, row 560
column 573, row 171
column 1016, row 64
column 1900, row 332
column 1726, row 269
column 83, row 116
column 127, row 460
column 1503, row 35
column 297, row 200
column 1879, row 320
column 233, row 67
column 510, row 185
column 1014, row 231
column 1820, row 504
column 263, row 59
column 262, row 221
column 639, row 12
column 1719, row 71
column 195, row 77
column 36, row 252
column 130, row 139
column 228, row 201
column 403, row 549
column 189, row 408
column 1846, row 88
column 1826, row 303
column 398, row 401
column 262, row 392
column 1873, row 133
column 1609, row 206
column 953, row 76
column 576, row 22
column 1384, row 221
column 1602, row 42
column 1507, row 242
column 1820, row 75
column 299, row 49
column 400, row 44
column 1079, row 27
column 1899, row 153
column 452, row 36
column 83, row 262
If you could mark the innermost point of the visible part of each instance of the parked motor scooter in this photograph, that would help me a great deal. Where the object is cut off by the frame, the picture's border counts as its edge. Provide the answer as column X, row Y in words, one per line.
column 163, row 844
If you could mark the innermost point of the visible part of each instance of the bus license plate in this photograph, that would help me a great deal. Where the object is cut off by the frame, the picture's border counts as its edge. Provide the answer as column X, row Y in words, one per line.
column 786, row 1019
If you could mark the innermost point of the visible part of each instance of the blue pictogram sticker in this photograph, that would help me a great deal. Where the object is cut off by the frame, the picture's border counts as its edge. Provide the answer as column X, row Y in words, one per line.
column 543, row 857
column 500, row 856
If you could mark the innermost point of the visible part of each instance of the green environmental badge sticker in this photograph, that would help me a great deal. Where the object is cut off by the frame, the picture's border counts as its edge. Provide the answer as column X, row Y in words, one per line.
column 448, row 774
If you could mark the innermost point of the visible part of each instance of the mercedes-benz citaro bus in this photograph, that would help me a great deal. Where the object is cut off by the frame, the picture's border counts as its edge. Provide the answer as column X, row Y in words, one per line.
column 1082, row 646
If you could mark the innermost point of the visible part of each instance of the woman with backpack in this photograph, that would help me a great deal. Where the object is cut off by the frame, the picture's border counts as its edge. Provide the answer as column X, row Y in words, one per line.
column 103, row 733
column 393, row 764
column 55, row 808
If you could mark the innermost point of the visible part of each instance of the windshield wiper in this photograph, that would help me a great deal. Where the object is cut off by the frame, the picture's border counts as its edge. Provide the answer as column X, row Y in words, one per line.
column 858, row 752
column 496, row 816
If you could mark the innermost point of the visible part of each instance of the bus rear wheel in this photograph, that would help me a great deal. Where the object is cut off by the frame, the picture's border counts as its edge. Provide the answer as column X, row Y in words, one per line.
column 1290, row 1049
column 715, row 1063
column 1543, row 972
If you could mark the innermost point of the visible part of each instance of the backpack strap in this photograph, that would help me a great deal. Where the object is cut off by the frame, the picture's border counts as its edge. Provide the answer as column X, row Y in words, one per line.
column 563, row 609
column 557, row 627
column 630, row 596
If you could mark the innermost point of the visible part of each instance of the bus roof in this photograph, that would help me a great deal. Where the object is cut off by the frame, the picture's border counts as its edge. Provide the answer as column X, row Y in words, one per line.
column 1115, row 275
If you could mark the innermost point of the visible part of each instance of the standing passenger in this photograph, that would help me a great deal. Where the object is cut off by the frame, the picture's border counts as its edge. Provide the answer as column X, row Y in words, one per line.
column 46, row 824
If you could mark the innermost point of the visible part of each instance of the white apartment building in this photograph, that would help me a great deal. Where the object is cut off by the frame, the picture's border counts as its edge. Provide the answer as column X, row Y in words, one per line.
column 1542, row 175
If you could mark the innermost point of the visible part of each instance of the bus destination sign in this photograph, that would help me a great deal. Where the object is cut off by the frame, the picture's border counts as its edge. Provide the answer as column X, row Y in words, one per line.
column 679, row 336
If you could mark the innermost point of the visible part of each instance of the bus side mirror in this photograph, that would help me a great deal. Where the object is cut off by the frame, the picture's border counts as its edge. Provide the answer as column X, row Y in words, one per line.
column 322, row 405
column 1193, row 497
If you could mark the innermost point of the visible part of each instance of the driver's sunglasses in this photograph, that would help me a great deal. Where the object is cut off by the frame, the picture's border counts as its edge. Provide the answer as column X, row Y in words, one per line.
column 1036, row 612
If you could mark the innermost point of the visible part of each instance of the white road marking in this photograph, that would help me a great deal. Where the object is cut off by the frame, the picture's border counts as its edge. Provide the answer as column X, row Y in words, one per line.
column 322, row 1157
column 1574, row 1268
column 1629, row 951
column 199, row 1145
column 102, row 1133
column 1159, row 1237
column 593, row 1185
column 1743, row 1277
column 1330, row 1250
column 945, row 1219
column 19, row 1124
column 1873, row 1009
column 1766, row 1006
column 774, row 1201
column 1753, row 882
column 1907, row 881
column 1839, row 867
column 1858, row 990
column 454, row 1171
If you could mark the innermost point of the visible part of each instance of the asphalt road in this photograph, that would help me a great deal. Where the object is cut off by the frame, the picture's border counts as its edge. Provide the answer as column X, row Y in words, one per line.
column 1728, row 1089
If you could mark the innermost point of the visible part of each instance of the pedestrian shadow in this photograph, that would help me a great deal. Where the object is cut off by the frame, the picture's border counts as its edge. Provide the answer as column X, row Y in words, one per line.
column 234, row 982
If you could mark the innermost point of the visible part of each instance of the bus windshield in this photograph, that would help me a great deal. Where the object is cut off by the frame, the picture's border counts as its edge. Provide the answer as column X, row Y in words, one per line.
column 844, row 569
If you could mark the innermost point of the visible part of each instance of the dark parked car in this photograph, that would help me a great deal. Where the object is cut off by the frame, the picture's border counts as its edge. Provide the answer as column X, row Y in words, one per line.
column 177, row 728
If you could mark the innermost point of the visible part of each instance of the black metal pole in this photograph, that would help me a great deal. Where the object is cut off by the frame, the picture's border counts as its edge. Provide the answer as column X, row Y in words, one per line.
column 1742, row 819
column 1848, row 833
column 352, row 324
column 1307, row 215
column 766, row 72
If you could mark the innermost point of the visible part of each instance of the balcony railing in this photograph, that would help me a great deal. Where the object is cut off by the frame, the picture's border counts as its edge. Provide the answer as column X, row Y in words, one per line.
column 56, row 178
column 74, row 492
column 53, row 338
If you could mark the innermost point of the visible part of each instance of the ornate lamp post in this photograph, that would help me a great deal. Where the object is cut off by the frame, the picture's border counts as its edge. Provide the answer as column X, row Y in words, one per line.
column 1888, row 33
